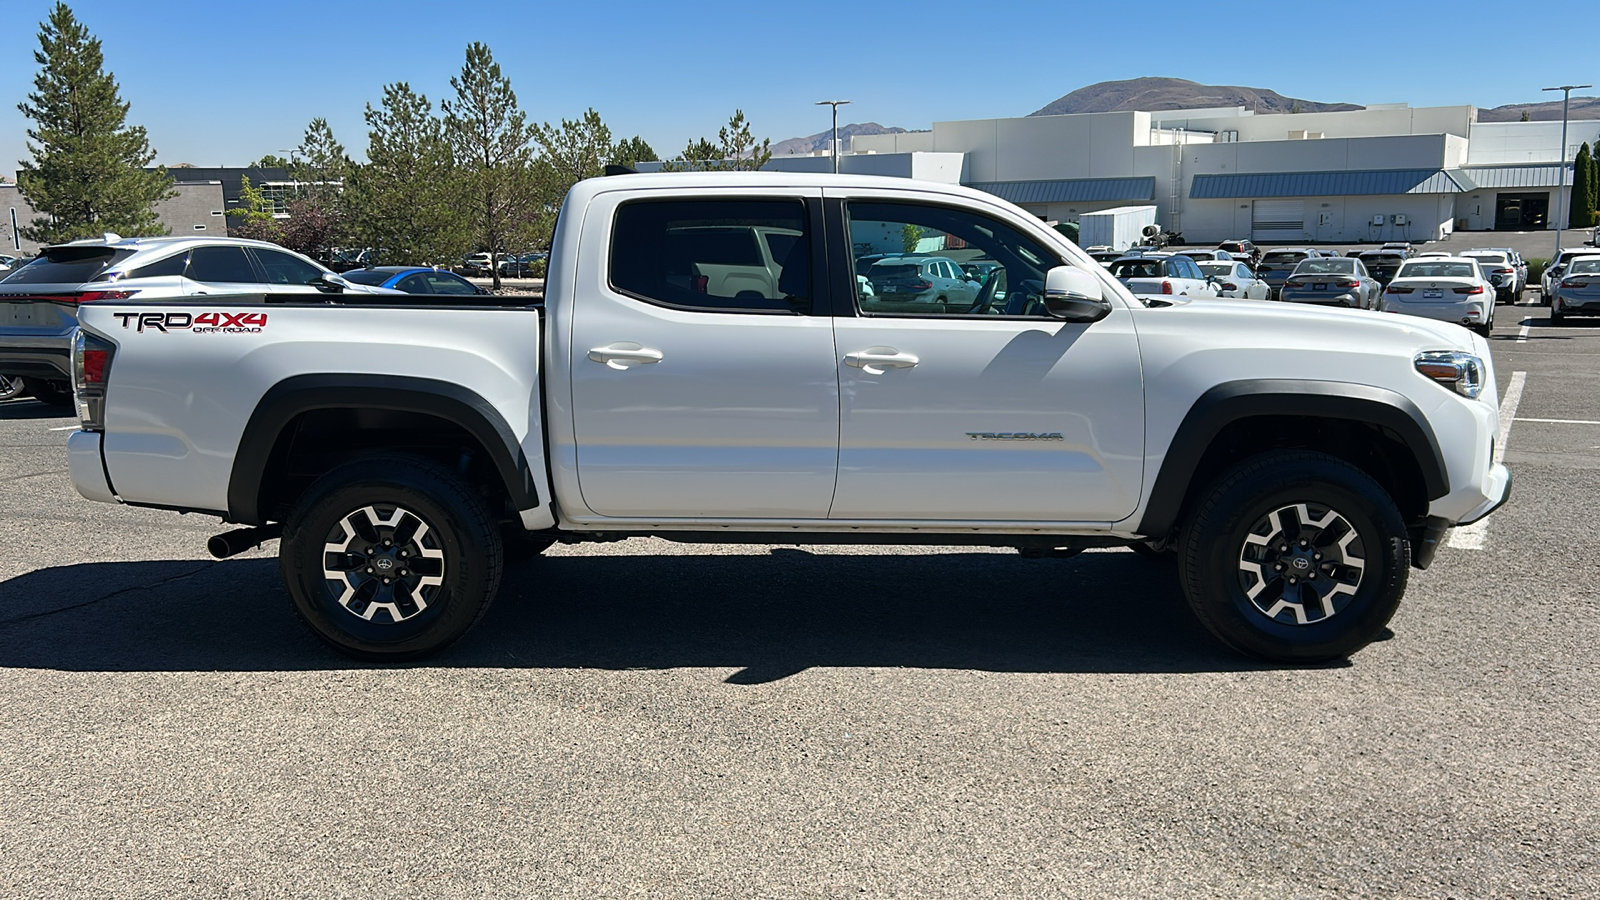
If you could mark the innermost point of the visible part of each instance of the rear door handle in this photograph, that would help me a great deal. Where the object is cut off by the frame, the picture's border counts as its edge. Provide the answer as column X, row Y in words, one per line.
column 625, row 354
column 875, row 360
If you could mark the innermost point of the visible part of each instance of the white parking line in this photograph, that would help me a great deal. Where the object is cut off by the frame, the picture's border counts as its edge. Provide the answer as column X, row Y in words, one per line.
column 66, row 428
column 1522, row 336
column 1562, row 421
column 1476, row 535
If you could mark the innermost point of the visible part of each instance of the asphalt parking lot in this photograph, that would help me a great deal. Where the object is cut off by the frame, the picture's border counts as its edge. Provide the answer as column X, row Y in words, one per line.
column 650, row 719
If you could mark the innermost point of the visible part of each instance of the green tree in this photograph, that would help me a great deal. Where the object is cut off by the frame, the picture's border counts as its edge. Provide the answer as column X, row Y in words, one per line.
column 269, row 161
column 87, row 172
column 1524, row 116
column 910, row 236
column 1594, row 184
column 318, row 220
column 253, row 217
column 1580, row 213
column 631, row 151
column 403, row 201
column 490, row 138
column 736, row 149
column 576, row 150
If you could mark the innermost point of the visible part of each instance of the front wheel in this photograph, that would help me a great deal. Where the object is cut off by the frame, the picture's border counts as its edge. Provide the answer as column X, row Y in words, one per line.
column 390, row 558
column 1295, row 557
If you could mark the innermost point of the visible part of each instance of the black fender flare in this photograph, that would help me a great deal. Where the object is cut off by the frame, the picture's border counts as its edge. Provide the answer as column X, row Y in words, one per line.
column 1232, row 401
column 305, row 393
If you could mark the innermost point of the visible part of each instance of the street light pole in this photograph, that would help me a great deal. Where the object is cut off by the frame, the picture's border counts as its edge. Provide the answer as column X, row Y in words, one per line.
column 835, row 145
column 1563, row 205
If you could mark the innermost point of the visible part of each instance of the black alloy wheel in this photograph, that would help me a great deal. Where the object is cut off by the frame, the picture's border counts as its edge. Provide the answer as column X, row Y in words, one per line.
column 1295, row 557
column 391, row 557
column 10, row 387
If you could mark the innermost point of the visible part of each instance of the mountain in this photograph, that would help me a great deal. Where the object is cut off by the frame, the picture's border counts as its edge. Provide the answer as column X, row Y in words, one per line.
column 805, row 146
column 1176, row 93
column 1550, row 110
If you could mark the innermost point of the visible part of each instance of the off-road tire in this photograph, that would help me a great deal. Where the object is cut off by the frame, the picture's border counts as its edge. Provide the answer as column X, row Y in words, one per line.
column 1214, row 544
column 424, row 618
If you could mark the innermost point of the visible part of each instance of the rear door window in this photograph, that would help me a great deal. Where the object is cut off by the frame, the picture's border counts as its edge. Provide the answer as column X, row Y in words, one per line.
column 703, row 255
column 172, row 265
column 445, row 283
column 221, row 265
column 68, row 265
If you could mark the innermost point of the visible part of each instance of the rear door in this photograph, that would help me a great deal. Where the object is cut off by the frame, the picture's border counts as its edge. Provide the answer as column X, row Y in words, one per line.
column 286, row 273
column 221, row 270
column 995, row 412
column 695, row 395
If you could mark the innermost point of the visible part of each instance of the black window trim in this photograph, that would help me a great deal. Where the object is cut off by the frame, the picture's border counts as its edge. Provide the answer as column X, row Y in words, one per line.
column 821, row 302
column 844, row 283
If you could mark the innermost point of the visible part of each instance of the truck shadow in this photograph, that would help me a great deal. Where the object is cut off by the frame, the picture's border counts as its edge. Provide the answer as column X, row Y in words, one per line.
column 767, row 615
column 28, row 408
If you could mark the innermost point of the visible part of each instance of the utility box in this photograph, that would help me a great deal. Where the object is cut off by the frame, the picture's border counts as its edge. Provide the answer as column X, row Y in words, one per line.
column 1118, row 228
column 1399, row 219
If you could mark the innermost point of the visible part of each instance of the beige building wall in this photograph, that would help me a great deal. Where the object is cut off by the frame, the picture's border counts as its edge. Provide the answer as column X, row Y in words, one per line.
column 193, row 206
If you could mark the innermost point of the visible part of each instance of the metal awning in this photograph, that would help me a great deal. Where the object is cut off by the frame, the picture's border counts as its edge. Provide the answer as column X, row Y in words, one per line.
column 1075, row 190
column 1528, row 176
column 1328, row 184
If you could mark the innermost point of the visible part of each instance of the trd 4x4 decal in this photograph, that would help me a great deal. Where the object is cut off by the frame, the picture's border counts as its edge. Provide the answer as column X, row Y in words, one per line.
column 203, row 323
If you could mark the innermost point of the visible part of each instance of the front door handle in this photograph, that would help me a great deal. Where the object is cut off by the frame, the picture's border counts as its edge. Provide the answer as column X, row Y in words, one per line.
column 624, row 355
column 874, row 360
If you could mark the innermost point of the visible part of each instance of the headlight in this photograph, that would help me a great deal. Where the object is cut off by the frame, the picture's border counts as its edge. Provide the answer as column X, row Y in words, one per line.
column 1460, row 372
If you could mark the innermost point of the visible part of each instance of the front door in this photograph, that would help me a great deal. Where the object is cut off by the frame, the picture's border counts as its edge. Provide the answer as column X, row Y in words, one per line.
column 988, row 410
column 702, row 384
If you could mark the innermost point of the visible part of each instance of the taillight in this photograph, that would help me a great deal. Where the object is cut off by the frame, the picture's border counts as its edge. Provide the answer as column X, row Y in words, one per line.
column 1397, row 289
column 920, row 285
column 91, row 296
column 1347, row 284
column 1470, row 289
column 1230, row 287
column 700, row 284
column 1166, row 287
column 1504, row 271
column 91, row 365
column 1569, row 283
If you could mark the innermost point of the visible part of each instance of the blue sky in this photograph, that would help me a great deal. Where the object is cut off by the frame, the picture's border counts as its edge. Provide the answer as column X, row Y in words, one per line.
column 221, row 83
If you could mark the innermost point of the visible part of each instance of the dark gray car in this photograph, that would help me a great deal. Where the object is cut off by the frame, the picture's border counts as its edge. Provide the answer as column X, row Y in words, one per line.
column 1337, row 281
column 1276, row 264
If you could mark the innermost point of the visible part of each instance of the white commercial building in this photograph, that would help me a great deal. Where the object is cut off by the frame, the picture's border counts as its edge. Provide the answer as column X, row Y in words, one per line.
column 1383, row 173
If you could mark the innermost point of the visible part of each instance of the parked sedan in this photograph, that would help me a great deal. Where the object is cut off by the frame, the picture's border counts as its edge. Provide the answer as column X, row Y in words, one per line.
column 1451, row 289
column 1335, row 281
column 1234, row 279
column 1558, row 267
column 39, row 300
column 1201, row 256
column 1383, row 264
column 1163, row 274
column 1578, row 291
column 1276, row 265
column 413, row 280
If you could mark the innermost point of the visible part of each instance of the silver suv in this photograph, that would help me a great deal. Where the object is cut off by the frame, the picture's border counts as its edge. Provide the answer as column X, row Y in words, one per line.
column 39, row 300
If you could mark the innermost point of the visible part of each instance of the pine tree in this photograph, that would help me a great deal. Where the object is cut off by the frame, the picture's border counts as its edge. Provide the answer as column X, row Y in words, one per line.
column 1580, row 213
column 490, row 138
column 87, row 173
column 633, row 150
column 1594, row 185
column 402, row 202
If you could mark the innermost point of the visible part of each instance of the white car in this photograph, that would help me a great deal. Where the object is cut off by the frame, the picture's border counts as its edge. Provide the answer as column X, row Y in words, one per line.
column 1203, row 256
column 1234, row 279
column 1448, row 288
column 1552, row 272
column 1502, row 272
column 39, row 300
column 1163, row 274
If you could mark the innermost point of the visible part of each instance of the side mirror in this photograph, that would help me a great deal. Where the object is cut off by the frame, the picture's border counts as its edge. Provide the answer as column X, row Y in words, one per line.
column 336, row 282
column 1074, row 295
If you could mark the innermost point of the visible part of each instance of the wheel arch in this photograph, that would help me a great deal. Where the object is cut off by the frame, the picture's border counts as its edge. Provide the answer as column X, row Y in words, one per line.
column 1196, row 454
column 270, row 430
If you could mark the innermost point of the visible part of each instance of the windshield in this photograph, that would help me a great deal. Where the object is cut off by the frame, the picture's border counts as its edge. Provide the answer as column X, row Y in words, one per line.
column 1326, row 267
column 368, row 276
column 1136, row 268
column 1437, row 270
column 1281, row 258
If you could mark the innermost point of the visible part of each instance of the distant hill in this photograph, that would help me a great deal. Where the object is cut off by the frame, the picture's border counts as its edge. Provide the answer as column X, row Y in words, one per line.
column 805, row 146
column 1581, row 108
column 1176, row 93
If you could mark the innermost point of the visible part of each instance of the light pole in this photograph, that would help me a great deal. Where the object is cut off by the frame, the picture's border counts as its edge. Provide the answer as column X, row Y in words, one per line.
column 1562, row 204
column 835, row 104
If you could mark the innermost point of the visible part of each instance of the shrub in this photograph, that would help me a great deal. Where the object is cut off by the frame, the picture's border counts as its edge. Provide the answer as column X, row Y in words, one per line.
column 1536, row 266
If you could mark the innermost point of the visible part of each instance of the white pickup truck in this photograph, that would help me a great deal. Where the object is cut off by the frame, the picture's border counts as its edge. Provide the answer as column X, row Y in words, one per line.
column 1296, row 462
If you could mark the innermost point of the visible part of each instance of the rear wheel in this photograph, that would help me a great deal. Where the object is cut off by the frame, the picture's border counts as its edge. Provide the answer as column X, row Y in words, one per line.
column 1557, row 316
column 1295, row 557
column 10, row 387
column 390, row 558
